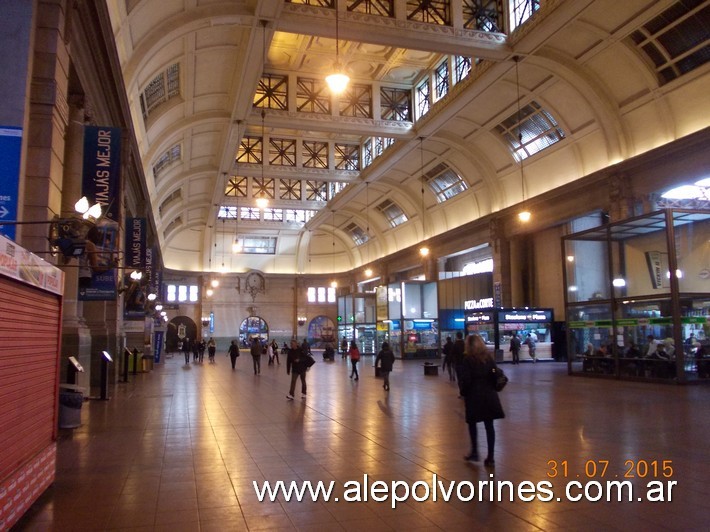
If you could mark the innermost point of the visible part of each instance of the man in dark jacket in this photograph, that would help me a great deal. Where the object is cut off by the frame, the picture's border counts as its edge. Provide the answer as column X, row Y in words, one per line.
column 515, row 348
column 385, row 358
column 256, row 350
column 296, row 366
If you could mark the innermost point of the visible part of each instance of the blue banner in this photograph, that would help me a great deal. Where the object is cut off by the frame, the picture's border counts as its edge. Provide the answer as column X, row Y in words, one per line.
column 97, row 272
column 102, row 168
column 154, row 273
column 135, row 250
column 10, row 150
column 157, row 345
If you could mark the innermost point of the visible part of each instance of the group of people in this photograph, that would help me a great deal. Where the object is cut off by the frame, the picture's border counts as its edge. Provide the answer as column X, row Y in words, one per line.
column 197, row 349
column 469, row 361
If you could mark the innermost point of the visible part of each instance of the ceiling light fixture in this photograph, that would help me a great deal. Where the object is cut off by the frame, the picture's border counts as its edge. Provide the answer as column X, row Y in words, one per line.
column 524, row 215
column 423, row 250
column 261, row 201
column 237, row 245
column 338, row 80
column 368, row 270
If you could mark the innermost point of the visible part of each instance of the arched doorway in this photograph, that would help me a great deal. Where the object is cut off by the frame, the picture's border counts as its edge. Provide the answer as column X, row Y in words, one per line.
column 321, row 331
column 179, row 328
column 251, row 327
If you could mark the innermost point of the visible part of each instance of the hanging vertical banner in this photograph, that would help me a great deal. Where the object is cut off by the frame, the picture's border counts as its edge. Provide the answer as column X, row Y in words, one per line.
column 154, row 273
column 135, row 304
column 135, row 250
column 102, row 168
column 158, row 337
column 10, row 148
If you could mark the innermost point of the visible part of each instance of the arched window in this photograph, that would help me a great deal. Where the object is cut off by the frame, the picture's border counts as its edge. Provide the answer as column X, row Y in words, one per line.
column 251, row 327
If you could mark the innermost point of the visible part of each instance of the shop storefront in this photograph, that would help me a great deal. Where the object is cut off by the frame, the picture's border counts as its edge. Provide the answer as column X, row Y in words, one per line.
column 356, row 315
column 497, row 325
column 407, row 317
column 637, row 298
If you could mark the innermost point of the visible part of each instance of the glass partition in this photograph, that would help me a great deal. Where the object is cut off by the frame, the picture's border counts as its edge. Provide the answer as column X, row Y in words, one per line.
column 637, row 296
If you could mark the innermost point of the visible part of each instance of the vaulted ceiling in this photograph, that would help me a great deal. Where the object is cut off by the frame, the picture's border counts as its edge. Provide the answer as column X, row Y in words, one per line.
column 211, row 82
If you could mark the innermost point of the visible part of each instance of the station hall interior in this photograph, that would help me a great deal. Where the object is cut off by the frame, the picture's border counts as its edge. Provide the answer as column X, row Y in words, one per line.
column 182, row 170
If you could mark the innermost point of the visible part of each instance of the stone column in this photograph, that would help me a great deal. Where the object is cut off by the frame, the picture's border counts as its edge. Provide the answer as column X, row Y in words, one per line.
column 76, row 337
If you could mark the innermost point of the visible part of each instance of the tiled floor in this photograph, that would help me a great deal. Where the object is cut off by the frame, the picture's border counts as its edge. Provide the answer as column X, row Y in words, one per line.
column 178, row 449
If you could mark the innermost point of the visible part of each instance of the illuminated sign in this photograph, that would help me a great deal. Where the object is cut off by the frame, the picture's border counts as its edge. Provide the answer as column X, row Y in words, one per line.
column 471, row 304
column 525, row 316
column 478, row 318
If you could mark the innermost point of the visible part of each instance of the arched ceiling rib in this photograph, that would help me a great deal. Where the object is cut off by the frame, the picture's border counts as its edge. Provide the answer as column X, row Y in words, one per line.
column 576, row 59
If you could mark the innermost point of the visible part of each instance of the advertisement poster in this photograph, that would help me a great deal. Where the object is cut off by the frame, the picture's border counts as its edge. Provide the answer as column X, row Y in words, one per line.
column 10, row 148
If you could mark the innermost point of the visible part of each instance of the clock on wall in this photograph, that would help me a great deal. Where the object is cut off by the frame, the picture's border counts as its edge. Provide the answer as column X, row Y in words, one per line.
column 254, row 283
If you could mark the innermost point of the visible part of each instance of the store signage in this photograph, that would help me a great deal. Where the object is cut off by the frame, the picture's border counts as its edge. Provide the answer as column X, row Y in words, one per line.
column 527, row 316
column 473, row 304
column 479, row 318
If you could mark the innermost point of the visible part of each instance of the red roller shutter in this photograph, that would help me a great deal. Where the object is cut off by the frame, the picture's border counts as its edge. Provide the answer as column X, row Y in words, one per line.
column 30, row 321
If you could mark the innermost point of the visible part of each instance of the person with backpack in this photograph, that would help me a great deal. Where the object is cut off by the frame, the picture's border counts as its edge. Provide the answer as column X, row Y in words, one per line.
column 354, row 359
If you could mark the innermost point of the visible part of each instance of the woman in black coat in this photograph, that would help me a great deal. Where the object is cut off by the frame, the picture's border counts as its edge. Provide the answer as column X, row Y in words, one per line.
column 482, row 402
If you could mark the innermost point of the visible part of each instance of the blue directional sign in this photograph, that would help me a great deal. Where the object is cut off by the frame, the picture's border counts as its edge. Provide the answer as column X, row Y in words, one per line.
column 10, row 148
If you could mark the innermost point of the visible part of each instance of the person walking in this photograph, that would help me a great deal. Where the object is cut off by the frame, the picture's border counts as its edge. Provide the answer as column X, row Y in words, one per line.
column 354, row 359
column 531, row 342
column 386, row 359
column 515, row 348
column 211, row 349
column 233, row 353
column 270, row 354
column 201, row 348
column 256, row 354
column 275, row 347
column 296, row 366
column 344, row 347
column 195, row 350
column 476, row 380
column 449, row 358
column 186, row 349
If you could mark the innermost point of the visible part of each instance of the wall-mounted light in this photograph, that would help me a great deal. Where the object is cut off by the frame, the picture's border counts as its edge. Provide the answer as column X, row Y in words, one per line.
column 214, row 283
column 619, row 282
column 87, row 212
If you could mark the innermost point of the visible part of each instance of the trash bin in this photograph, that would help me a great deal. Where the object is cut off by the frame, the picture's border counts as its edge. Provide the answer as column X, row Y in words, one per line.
column 147, row 363
column 70, row 403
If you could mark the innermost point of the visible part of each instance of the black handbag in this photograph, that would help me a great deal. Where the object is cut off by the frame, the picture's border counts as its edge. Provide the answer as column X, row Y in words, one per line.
column 500, row 379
